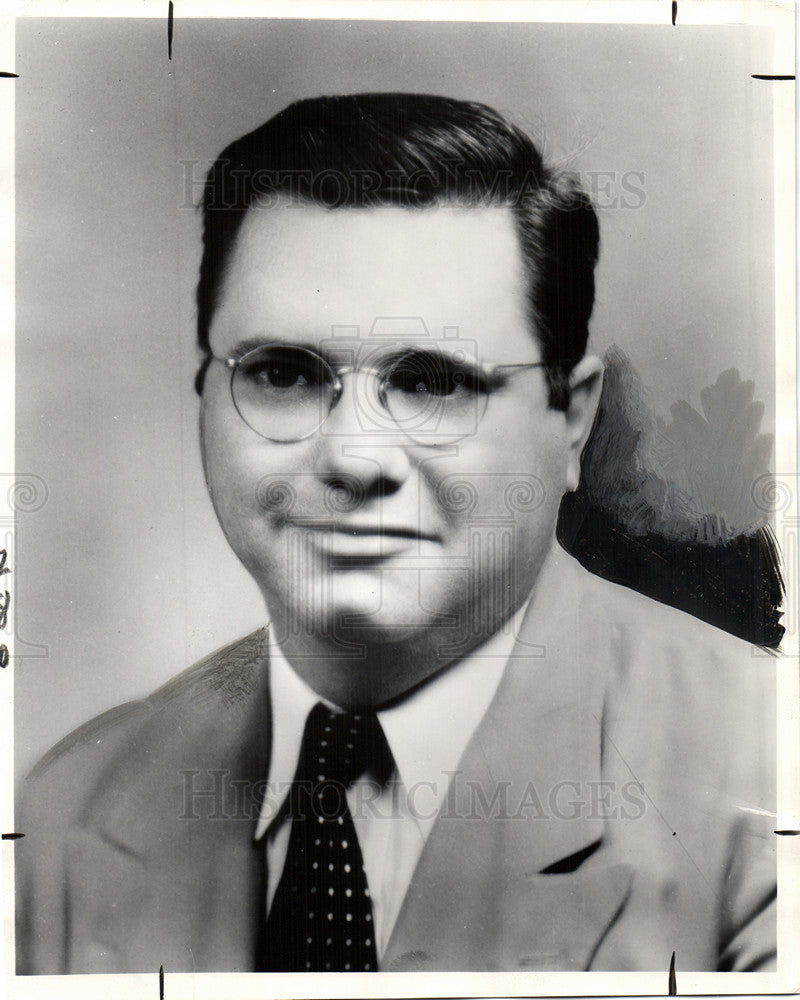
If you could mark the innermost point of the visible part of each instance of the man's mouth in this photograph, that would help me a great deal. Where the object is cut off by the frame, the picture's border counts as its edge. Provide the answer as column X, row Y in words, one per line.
column 362, row 539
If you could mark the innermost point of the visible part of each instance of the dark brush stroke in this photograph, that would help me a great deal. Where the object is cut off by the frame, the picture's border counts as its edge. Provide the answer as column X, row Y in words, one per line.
column 674, row 12
column 735, row 586
column 14, row 76
column 12, row 836
column 788, row 833
column 770, row 76
column 631, row 523
column 673, row 982
column 161, row 967
column 170, row 16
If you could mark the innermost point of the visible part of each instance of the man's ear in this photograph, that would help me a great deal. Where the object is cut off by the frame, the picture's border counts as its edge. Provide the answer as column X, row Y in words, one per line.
column 586, row 381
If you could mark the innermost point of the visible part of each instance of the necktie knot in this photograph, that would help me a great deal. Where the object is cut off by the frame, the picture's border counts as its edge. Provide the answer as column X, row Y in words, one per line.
column 340, row 747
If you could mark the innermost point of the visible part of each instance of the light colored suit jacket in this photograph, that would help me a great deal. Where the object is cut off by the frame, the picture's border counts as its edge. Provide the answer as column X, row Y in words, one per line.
column 614, row 805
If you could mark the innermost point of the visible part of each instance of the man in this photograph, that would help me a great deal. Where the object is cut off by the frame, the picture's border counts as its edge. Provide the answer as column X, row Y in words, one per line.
column 453, row 749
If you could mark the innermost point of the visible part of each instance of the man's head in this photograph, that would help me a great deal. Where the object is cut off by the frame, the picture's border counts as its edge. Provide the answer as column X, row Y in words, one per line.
column 418, row 237
column 414, row 151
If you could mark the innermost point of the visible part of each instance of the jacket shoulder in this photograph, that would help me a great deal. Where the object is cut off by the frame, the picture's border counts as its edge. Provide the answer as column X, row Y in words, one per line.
column 116, row 777
column 632, row 622
column 222, row 677
column 674, row 681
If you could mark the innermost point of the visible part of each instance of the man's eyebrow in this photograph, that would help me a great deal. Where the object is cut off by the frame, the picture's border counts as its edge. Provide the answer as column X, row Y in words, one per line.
column 329, row 348
column 252, row 343
column 244, row 346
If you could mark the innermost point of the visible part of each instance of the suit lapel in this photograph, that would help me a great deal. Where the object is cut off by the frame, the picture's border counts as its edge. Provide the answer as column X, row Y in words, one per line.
column 165, row 870
column 500, row 884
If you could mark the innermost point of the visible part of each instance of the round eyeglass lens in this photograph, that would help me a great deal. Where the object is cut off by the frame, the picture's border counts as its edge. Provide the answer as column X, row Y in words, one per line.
column 283, row 393
column 434, row 398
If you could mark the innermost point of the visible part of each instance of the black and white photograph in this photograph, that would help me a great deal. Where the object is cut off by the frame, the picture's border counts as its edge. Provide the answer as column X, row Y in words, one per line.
column 399, row 569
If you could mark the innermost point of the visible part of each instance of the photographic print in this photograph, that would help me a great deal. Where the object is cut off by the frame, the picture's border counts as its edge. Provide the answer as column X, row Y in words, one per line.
column 401, row 545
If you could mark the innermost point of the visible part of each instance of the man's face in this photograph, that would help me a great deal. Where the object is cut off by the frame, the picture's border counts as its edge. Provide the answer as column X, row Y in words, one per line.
column 357, row 533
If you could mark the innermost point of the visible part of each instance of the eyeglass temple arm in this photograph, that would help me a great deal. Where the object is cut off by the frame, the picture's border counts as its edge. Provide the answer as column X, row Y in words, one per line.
column 518, row 366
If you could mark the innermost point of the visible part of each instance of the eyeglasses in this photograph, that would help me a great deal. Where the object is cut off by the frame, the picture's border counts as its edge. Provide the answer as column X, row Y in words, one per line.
column 285, row 393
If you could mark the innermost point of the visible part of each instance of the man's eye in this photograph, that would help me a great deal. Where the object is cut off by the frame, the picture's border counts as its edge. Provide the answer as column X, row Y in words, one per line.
column 433, row 375
column 282, row 376
column 285, row 370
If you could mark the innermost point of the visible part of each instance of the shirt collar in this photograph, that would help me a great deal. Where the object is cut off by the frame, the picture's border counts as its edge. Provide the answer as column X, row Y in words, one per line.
column 291, row 701
column 427, row 732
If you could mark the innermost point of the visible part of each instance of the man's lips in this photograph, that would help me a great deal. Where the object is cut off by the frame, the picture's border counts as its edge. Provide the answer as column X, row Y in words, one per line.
column 356, row 528
column 370, row 539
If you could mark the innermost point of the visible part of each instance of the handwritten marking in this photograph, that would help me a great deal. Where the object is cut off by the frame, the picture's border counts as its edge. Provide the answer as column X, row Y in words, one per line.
column 161, row 967
column 674, row 12
column 673, row 983
column 5, row 604
column 769, row 76
column 170, row 14
column 788, row 833
column 12, row 836
column 14, row 76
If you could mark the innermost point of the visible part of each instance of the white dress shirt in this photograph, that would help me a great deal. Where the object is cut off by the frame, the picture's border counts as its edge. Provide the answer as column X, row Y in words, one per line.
column 427, row 733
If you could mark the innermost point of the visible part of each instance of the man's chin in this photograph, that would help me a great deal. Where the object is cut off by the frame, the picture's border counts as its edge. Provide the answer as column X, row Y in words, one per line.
column 361, row 620
column 354, row 623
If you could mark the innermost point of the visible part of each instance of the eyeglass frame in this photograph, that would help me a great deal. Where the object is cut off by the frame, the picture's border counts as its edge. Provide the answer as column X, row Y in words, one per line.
column 487, row 372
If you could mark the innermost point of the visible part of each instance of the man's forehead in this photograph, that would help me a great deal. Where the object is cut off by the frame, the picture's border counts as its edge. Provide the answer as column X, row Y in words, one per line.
column 448, row 232
column 305, row 264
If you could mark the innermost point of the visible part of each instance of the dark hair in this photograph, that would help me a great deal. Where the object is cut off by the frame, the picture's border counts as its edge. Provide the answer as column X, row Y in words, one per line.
column 414, row 151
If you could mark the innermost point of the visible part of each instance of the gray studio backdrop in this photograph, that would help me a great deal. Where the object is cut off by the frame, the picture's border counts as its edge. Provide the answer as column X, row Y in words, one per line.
column 123, row 577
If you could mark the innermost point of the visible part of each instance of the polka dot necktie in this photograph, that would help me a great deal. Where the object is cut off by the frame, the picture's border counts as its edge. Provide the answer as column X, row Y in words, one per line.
column 321, row 915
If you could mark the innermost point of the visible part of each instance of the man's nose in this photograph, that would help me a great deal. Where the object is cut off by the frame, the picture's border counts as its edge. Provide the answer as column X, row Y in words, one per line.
column 359, row 439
